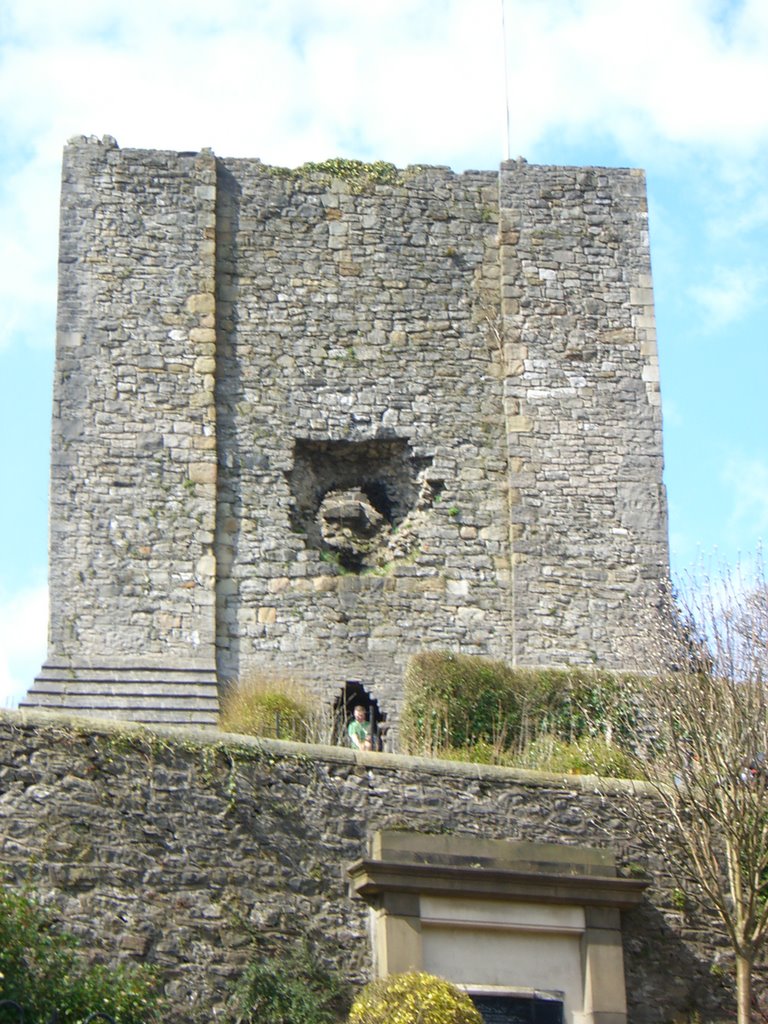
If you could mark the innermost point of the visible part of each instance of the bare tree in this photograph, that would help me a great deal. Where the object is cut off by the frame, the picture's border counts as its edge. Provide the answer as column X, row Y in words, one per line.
column 704, row 747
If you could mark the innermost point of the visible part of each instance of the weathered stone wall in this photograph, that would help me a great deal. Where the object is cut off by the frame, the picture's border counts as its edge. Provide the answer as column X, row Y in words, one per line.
column 588, row 508
column 313, row 421
column 358, row 318
column 503, row 326
column 134, row 445
column 190, row 849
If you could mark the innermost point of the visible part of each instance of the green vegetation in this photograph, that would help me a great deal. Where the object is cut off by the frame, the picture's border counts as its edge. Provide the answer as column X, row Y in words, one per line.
column 466, row 708
column 413, row 998
column 476, row 709
column 42, row 970
column 333, row 558
column 586, row 756
column 293, row 989
column 280, row 708
column 360, row 176
column 679, row 900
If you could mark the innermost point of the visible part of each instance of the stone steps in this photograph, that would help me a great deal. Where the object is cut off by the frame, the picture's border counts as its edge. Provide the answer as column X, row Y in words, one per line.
column 135, row 693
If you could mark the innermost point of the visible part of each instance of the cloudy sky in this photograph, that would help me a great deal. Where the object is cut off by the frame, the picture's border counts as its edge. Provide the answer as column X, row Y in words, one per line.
column 677, row 87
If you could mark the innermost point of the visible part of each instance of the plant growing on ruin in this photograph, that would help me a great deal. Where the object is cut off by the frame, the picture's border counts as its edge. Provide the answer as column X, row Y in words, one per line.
column 587, row 756
column 360, row 176
column 703, row 744
column 280, row 708
column 480, row 709
column 413, row 998
column 42, row 969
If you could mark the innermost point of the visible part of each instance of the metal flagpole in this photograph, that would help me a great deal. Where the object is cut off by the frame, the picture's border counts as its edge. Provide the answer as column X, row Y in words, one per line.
column 506, row 72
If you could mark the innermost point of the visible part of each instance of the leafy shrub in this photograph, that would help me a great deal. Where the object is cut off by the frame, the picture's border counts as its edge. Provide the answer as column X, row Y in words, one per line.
column 41, row 970
column 461, row 706
column 413, row 998
column 585, row 757
column 294, row 989
column 264, row 706
column 453, row 701
column 361, row 177
column 549, row 754
column 479, row 753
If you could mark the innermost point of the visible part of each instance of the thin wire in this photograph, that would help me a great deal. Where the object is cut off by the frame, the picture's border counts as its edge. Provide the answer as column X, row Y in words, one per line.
column 506, row 72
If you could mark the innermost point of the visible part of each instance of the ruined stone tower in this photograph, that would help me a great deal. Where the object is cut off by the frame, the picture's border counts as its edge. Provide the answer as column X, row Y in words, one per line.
column 313, row 421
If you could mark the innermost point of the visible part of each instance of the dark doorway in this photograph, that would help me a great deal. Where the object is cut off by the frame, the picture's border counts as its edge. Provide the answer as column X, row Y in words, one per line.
column 497, row 1009
column 353, row 693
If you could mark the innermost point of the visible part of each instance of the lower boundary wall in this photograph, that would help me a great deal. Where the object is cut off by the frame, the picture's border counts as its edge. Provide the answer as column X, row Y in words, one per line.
column 187, row 849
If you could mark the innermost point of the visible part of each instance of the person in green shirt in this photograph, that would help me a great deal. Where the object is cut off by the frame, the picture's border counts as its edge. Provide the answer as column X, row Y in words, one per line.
column 359, row 730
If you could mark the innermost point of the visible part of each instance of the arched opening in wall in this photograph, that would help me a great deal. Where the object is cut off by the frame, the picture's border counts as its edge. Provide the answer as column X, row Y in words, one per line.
column 351, row 694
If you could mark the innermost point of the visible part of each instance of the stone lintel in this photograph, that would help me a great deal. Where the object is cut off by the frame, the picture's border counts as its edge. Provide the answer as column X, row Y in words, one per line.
column 371, row 879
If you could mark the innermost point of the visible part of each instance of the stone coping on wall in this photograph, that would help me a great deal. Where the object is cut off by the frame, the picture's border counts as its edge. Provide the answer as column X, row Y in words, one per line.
column 374, row 878
column 472, row 868
column 210, row 736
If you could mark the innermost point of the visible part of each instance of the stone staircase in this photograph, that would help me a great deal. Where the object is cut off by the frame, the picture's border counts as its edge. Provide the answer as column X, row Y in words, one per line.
column 135, row 693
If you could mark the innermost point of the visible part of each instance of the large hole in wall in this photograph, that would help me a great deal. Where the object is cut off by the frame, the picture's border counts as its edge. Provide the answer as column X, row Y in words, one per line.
column 358, row 502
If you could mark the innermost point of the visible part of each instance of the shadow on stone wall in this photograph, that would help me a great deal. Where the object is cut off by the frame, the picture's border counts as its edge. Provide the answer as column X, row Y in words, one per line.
column 657, row 959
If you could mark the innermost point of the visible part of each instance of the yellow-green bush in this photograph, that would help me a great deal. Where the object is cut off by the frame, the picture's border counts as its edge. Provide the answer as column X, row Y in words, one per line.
column 549, row 754
column 474, row 708
column 265, row 706
column 480, row 752
column 413, row 998
column 585, row 757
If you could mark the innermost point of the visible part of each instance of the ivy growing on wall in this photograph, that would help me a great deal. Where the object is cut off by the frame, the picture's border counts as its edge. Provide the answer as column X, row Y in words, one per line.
column 291, row 988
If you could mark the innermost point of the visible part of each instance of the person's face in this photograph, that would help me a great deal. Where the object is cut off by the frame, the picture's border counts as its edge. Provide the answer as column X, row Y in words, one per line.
column 360, row 714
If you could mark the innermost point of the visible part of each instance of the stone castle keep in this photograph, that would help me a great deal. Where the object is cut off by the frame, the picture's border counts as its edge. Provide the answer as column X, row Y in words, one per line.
column 313, row 421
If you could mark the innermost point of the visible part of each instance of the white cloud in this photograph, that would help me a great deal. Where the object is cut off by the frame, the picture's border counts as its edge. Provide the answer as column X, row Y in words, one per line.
column 29, row 213
column 663, row 71
column 408, row 75
column 731, row 294
column 403, row 80
column 737, row 202
column 23, row 627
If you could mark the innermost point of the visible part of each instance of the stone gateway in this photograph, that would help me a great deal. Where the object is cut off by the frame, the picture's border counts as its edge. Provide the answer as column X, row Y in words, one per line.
column 312, row 421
